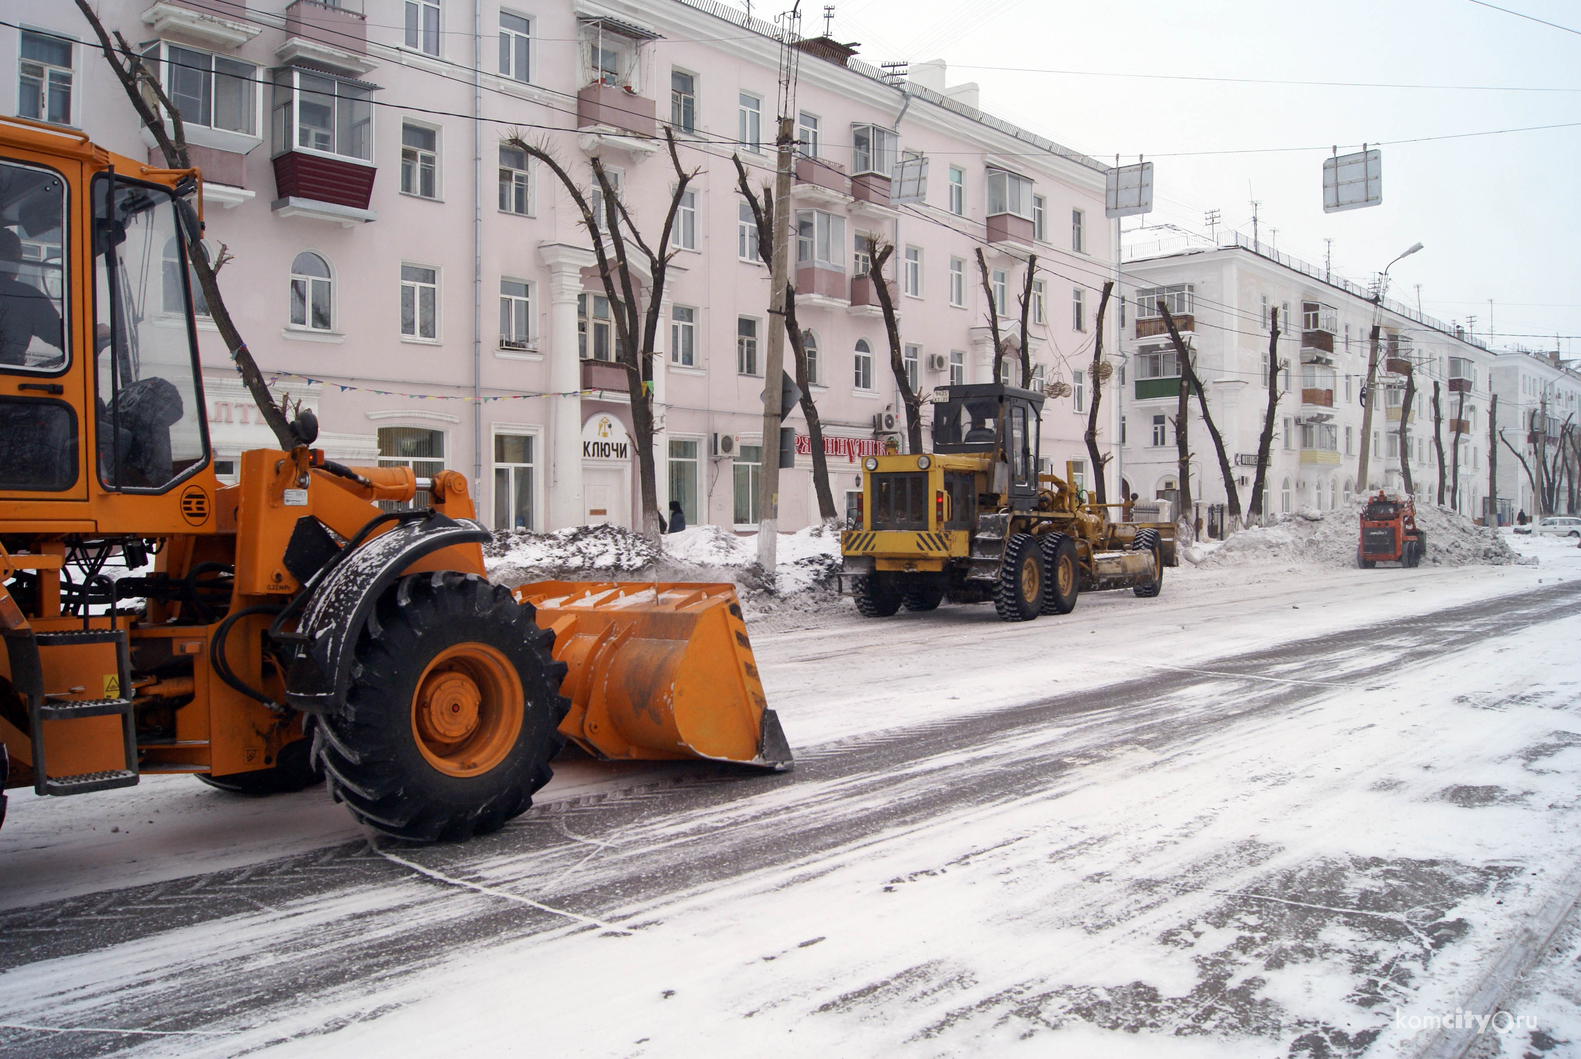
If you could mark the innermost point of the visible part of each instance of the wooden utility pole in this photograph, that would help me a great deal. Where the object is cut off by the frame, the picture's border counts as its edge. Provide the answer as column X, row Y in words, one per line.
column 774, row 359
column 1493, row 462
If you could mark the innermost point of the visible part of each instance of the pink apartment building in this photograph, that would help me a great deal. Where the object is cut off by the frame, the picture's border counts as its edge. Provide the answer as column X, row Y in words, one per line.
column 430, row 293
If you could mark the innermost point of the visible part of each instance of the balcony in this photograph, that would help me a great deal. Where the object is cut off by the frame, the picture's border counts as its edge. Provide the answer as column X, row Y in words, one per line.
column 332, row 35
column 203, row 22
column 1393, row 415
column 601, row 105
column 864, row 299
column 1153, row 326
column 818, row 180
column 1008, row 232
column 822, row 288
column 1459, row 385
column 1398, row 366
column 1318, row 398
column 604, row 375
column 1320, row 457
column 1152, row 389
column 1323, row 340
column 1458, row 426
column 323, row 188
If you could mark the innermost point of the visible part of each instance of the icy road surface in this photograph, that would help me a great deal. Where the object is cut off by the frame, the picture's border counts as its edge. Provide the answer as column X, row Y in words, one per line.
column 1276, row 811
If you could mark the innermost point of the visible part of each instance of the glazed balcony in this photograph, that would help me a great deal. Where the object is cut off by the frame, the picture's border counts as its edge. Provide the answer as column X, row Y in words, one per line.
column 615, row 107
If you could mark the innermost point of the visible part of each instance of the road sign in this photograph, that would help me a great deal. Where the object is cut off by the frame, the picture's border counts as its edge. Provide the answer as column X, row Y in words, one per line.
column 1352, row 181
column 1129, row 190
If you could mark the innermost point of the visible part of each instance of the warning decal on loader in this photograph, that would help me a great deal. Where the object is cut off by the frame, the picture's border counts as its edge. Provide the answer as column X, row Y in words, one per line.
column 112, row 686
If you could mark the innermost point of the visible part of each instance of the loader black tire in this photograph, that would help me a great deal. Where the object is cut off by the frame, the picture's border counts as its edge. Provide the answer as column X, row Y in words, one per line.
column 294, row 770
column 450, row 721
column 878, row 595
column 1062, row 567
column 1018, row 594
column 1147, row 540
column 924, row 592
column 1365, row 564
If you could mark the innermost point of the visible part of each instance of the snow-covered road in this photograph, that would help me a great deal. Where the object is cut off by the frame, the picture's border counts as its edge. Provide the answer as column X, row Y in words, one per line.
column 1275, row 811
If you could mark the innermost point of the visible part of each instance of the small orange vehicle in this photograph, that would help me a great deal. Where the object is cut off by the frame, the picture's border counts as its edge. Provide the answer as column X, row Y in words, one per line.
column 1389, row 533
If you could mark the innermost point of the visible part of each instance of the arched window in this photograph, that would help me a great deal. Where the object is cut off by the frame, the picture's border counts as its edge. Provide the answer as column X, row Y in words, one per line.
column 1284, row 497
column 312, row 301
column 809, row 344
column 864, row 365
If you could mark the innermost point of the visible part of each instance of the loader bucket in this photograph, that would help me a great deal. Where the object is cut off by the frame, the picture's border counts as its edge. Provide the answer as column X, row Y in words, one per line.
column 658, row 672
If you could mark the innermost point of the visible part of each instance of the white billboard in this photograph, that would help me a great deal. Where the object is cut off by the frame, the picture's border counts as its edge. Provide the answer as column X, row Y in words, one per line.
column 1129, row 190
column 1352, row 181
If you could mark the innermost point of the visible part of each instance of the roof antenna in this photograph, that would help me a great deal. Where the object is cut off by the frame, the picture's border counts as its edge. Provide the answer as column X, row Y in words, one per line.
column 828, row 18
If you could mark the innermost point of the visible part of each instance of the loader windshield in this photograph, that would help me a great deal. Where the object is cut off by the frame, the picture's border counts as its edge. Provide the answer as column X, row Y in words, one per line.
column 32, row 285
column 966, row 424
column 151, row 428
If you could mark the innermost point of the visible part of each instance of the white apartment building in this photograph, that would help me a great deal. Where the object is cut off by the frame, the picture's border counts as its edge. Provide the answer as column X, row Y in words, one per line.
column 1224, row 300
column 431, row 293
column 1537, row 390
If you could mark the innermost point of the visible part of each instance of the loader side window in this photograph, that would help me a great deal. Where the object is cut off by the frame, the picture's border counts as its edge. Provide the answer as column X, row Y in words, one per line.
column 963, row 499
column 32, row 276
column 151, row 427
column 1023, row 467
column 38, row 445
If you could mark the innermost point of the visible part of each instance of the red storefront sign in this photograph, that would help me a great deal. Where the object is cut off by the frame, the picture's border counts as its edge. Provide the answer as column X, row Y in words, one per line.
column 851, row 448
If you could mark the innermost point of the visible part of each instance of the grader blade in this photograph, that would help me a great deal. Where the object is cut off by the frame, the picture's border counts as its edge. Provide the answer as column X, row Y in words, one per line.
column 658, row 672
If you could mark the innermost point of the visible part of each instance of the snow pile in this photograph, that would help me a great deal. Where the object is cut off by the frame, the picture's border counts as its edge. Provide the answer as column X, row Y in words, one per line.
column 1330, row 539
column 580, row 553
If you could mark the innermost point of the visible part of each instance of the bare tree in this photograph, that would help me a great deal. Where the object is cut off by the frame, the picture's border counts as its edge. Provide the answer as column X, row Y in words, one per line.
column 1188, row 372
column 911, row 401
column 1265, row 442
column 1026, row 308
column 636, row 325
column 1530, row 477
column 1454, row 459
column 763, row 218
column 1099, row 462
column 1404, row 433
column 1438, row 439
column 149, row 99
column 993, row 312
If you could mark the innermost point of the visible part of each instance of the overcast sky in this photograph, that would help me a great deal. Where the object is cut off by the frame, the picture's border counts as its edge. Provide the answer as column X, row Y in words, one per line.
column 1498, row 214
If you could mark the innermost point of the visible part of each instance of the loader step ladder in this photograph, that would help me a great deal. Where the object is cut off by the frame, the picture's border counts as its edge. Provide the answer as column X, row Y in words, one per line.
column 23, row 648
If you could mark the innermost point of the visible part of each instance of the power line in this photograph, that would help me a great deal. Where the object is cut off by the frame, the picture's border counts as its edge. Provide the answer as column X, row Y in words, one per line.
column 1529, row 18
column 1261, row 80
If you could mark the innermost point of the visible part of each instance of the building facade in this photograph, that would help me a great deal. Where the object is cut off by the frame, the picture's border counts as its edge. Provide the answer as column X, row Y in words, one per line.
column 430, row 292
column 1539, row 413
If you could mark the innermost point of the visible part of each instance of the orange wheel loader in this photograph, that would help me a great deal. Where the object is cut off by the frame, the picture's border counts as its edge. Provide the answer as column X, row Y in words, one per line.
column 295, row 624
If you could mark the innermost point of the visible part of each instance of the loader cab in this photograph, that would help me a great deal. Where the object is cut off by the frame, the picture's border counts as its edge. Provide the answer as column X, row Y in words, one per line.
column 999, row 421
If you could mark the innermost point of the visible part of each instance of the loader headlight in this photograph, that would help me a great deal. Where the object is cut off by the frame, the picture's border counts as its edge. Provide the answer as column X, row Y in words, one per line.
column 871, row 463
column 923, row 463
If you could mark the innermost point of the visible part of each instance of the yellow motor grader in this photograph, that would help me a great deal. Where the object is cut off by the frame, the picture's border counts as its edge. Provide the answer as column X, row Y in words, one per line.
column 975, row 521
column 311, row 619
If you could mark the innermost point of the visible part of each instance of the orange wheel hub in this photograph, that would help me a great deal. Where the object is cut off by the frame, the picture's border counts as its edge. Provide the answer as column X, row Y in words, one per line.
column 467, row 710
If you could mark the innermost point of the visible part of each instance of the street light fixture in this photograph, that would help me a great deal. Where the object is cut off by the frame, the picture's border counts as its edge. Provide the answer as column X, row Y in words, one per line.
column 1368, row 397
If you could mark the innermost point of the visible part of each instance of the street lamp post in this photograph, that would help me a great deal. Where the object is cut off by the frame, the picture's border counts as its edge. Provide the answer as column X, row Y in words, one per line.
column 1369, row 397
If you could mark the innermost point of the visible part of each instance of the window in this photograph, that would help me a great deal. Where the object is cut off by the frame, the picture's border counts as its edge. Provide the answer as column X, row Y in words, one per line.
column 515, row 184
column 1006, row 378
column 1178, row 298
column 513, row 481
column 1160, row 430
column 1350, row 441
column 957, row 281
column 683, row 101
column 515, row 314
column 1461, row 368
column 864, row 365
column 1078, row 234
column 683, row 477
column 1288, row 435
column 209, row 90
column 1040, row 218
column 174, row 299
column 1315, row 316
column 1009, row 193
column 515, row 47
column 1078, row 473
column 44, row 93
column 809, row 345
column 321, row 113
column 419, row 302
column 746, row 233
column 1393, row 445
column 914, row 271
column 595, row 198
column 684, row 235
column 747, row 346
column 1078, row 391
column 745, row 475
column 957, row 191
column 595, row 330
column 872, row 150
column 1348, row 381
column 910, row 356
column 807, row 134
column 820, row 239
column 1323, row 436
column 415, row 447
column 1284, row 497
column 1000, row 285
column 749, row 123
column 1038, row 375
column 422, row 25
column 1375, row 446
column 312, row 293
column 1265, row 309
column 957, row 367
column 419, row 161
column 862, row 262
column 1158, row 364
column 683, row 336
column 1039, row 291
column 1078, row 309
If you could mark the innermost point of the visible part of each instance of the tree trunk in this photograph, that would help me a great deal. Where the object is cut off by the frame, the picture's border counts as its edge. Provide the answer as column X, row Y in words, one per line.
column 1405, row 438
column 1438, row 440
column 1091, row 437
column 1026, row 308
column 1266, row 440
column 1188, row 372
column 993, row 311
column 1530, row 477
column 1183, row 455
column 897, row 364
column 1454, row 460
column 820, row 460
column 1493, row 460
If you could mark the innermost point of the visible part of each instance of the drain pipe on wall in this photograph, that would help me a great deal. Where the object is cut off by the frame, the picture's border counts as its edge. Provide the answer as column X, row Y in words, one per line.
column 477, row 254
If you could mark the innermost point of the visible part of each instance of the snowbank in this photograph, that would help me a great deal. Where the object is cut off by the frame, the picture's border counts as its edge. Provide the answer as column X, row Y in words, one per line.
column 1330, row 538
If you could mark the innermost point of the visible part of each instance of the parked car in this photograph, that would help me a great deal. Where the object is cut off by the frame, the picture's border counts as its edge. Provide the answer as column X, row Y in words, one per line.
column 1560, row 526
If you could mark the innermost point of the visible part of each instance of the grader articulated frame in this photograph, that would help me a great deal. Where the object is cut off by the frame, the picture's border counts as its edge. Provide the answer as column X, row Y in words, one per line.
column 301, row 621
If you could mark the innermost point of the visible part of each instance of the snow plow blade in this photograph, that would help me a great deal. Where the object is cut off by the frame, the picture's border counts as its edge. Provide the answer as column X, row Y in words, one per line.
column 658, row 672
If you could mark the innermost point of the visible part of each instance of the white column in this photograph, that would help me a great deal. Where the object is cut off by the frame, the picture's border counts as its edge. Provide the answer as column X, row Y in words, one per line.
column 566, row 507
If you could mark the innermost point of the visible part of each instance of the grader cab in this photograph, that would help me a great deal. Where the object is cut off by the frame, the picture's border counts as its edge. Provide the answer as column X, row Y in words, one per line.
column 265, row 633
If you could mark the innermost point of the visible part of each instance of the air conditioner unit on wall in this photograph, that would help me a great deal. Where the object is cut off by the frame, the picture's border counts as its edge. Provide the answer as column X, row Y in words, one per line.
column 936, row 362
column 726, row 445
column 884, row 423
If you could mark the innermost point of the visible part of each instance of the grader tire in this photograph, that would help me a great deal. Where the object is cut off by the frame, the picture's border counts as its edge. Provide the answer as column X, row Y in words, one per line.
column 878, row 596
column 451, row 719
column 1018, row 594
column 1063, row 568
column 924, row 593
column 294, row 770
column 1147, row 540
